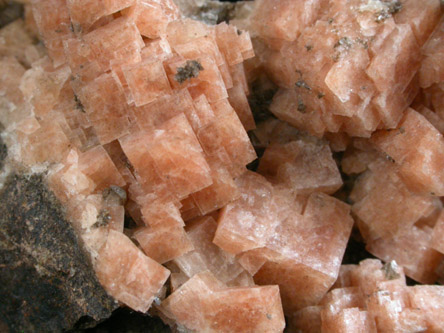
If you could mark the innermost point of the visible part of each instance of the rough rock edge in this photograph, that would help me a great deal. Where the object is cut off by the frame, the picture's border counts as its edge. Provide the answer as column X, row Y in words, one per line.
column 10, row 11
column 46, row 280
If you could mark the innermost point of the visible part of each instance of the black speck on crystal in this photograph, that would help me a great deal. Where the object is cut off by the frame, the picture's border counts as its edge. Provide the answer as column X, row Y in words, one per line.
column 191, row 70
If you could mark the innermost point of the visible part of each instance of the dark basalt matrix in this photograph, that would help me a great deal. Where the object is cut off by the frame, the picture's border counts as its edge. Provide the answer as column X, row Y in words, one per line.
column 46, row 281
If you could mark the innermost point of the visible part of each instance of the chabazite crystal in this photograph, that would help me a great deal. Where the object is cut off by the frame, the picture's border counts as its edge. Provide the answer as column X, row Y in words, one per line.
column 287, row 238
column 205, row 304
column 422, row 169
column 307, row 166
column 143, row 123
column 343, row 65
column 127, row 273
column 375, row 298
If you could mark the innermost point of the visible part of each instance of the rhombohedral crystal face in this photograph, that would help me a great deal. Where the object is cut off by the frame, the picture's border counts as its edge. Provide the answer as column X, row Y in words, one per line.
column 144, row 122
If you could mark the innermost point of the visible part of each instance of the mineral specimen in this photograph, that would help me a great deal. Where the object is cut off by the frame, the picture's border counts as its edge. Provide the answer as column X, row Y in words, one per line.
column 137, row 114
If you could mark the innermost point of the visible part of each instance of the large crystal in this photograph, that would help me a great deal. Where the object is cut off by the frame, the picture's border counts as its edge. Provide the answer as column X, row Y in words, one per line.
column 287, row 238
column 127, row 274
column 205, row 304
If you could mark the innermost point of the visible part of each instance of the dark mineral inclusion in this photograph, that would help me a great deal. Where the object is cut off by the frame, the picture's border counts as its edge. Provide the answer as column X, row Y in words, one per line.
column 46, row 281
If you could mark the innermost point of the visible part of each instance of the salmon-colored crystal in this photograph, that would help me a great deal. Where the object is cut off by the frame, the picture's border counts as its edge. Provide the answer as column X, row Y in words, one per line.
column 174, row 153
column 432, row 117
column 103, row 101
column 306, row 166
column 85, row 12
column 35, row 145
column 422, row 17
column 307, row 320
column 438, row 234
column 152, row 17
column 396, row 61
column 432, row 69
column 132, row 114
column 286, row 19
column 69, row 181
column 147, row 80
column 384, row 204
column 291, row 107
column 222, row 191
column 18, row 43
column 429, row 299
column 375, row 298
column 205, row 304
column 54, row 28
column 12, row 102
column 44, row 97
column 151, row 115
column 206, row 255
column 347, row 66
column 226, row 141
column 134, row 109
column 412, row 250
column 163, row 242
column 98, row 166
column 115, row 43
column 140, row 111
column 268, row 220
column 127, row 274
column 179, row 157
column 238, row 99
column 417, row 147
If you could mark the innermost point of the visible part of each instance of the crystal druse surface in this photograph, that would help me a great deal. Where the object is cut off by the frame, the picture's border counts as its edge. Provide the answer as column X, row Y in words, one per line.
column 146, row 123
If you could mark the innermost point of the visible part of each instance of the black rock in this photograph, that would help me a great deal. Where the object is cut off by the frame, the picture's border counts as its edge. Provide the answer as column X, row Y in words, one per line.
column 10, row 11
column 46, row 281
column 125, row 320
column 3, row 152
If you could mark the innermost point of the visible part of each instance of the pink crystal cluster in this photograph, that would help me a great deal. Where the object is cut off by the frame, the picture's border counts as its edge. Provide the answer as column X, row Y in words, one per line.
column 134, row 103
column 138, row 111
column 396, row 199
column 343, row 66
column 371, row 297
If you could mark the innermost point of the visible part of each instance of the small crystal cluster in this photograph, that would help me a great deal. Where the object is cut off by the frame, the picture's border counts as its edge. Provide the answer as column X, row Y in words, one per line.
column 134, row 110
column 343, row 66
column 371, row 297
